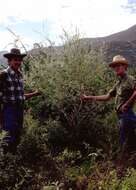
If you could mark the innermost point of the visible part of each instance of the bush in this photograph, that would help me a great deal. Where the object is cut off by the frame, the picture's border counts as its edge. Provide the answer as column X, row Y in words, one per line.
column 62, row 76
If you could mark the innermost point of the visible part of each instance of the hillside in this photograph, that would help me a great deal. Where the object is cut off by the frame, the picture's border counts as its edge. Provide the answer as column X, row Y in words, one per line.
column 125, row 36
column 123, row 42
column 3, row 61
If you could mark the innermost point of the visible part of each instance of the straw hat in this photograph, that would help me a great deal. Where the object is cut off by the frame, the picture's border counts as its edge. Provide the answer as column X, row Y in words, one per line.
column 118, row 59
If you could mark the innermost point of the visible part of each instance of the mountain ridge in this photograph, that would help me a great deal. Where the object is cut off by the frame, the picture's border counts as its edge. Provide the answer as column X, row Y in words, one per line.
column 124, row 35
column 123, row 42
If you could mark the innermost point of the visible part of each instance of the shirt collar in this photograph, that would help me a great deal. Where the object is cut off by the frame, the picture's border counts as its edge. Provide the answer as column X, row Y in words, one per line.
column 122, row 78
column 12, row 72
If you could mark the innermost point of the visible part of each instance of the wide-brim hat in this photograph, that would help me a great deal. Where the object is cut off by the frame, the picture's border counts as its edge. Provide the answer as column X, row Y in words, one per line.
column 117, row 60
column 14, row 52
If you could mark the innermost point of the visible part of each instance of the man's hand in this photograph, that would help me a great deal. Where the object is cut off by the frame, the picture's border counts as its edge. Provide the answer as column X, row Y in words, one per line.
column 32, row 94
column 84, row 97
column 37, row 93
column 124, row 108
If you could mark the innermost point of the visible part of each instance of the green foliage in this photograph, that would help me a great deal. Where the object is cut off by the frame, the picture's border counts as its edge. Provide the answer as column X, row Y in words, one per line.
column 105, row 182
column 32, row 163
column 129, row 181
column 66, row 142
column 2, row 135
column 62, row 76
column 68, row 156
column 57, row 136
column 109, row 180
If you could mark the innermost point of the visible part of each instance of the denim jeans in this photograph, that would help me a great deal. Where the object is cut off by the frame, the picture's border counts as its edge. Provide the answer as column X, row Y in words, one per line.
column 12, row 124
column 127, row 126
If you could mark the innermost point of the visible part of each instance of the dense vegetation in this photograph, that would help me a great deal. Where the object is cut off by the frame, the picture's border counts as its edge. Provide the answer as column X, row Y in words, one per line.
column 66, row 143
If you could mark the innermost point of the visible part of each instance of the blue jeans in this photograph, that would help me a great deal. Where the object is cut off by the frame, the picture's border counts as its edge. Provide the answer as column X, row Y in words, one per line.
column 12, row 124
column 127, row 126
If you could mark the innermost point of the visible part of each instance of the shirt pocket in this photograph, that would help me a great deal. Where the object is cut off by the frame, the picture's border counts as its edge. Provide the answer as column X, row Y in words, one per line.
column 125, row 90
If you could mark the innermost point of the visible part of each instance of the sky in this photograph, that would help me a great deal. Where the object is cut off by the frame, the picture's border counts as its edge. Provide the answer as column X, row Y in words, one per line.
column 29, row 22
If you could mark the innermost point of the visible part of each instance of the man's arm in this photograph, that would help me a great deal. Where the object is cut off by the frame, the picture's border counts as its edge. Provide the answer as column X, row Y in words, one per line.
column 132, row 98
column 96, row 98
column 32, row 94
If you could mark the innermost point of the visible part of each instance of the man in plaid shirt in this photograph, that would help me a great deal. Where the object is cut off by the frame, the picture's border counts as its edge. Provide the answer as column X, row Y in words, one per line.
column 12, row 99
column 12, row 87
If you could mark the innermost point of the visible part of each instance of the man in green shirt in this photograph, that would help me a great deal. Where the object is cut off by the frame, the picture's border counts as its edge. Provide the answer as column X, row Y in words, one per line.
column 124, row 92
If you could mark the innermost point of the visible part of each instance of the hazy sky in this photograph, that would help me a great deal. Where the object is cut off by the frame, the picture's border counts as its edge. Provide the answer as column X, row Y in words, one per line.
column 34, row 21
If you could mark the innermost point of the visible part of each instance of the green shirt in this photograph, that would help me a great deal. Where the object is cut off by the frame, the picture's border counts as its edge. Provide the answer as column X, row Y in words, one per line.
column 122, row 90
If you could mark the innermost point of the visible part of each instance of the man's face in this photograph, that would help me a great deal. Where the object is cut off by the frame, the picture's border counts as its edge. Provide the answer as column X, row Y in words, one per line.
column 120, row 69
column 15, row 63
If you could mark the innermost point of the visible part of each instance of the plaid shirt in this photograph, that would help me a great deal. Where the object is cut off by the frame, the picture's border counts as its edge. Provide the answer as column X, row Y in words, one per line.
column 11, row 87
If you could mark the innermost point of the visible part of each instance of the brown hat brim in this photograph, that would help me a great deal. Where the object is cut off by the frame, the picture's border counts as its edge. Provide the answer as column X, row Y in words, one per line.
column 11, row 55
column 113, row 64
